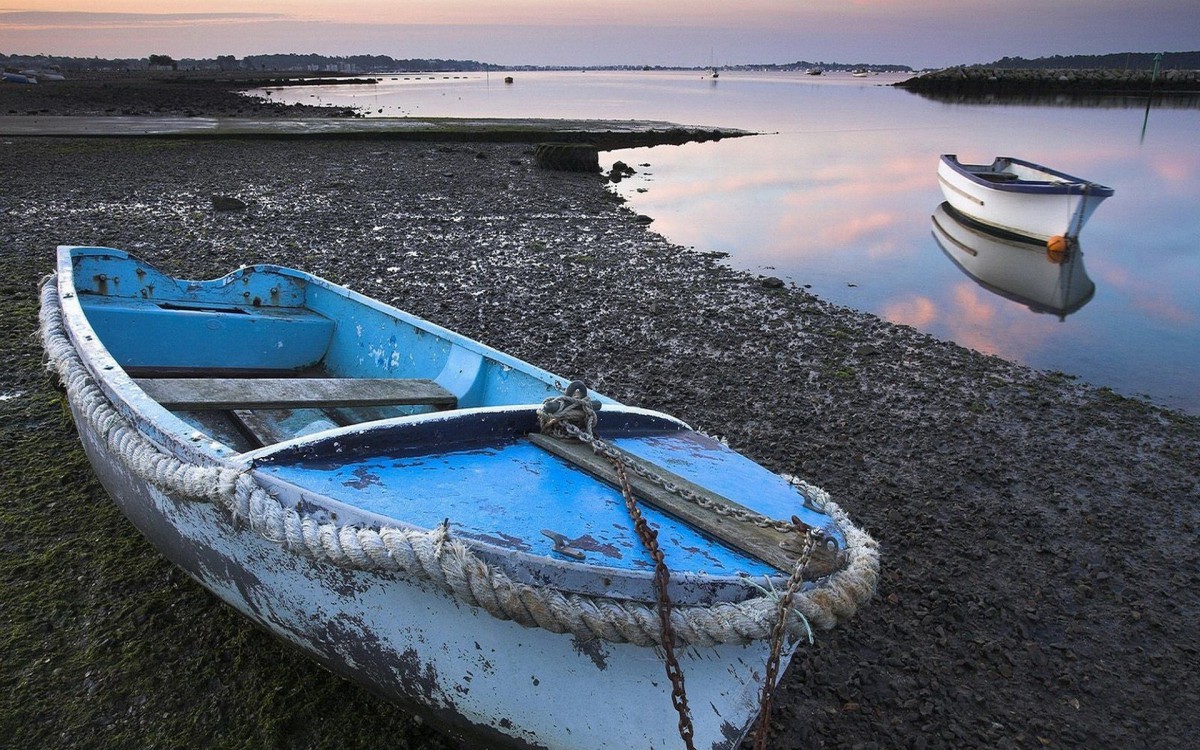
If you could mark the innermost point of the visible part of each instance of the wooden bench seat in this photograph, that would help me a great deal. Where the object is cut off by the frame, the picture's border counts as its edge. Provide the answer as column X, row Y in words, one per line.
column 201, row 394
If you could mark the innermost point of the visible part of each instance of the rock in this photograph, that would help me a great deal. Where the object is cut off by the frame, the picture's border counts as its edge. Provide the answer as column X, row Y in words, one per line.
column 620, row 170
column 772, row 282
column 567, row 157
column 227, row 203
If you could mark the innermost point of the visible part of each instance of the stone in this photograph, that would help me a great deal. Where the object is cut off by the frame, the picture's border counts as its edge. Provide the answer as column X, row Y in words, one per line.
column 227, row 203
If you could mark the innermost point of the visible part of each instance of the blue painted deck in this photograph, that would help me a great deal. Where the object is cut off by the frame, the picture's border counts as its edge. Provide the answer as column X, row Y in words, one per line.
column 507, row 492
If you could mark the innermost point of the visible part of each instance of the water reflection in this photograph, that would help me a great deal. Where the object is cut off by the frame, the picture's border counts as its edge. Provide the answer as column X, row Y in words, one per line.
column 1014, row 267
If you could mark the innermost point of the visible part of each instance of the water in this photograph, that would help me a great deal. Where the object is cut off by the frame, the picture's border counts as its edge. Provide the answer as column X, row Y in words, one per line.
column 840, row 197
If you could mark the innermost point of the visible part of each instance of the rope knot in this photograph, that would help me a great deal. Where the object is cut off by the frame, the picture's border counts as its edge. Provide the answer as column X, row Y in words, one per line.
column 572, row 414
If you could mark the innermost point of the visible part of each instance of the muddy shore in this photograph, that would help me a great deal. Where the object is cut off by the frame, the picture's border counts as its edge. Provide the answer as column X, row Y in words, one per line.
column 1041, row 557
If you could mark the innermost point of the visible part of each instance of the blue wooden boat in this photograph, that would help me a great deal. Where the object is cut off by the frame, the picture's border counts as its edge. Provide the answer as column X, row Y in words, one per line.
column 417, row 512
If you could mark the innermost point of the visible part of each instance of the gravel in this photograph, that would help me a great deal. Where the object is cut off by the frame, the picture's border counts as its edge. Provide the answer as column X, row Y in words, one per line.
column 1040, row 570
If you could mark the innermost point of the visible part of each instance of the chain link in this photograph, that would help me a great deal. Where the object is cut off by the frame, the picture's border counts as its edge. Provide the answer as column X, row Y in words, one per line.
column 816, row 538
column 560, row 417
column 662, row 576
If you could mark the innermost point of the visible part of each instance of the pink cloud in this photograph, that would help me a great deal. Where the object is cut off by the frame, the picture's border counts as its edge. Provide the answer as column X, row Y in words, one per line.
column 918, row 312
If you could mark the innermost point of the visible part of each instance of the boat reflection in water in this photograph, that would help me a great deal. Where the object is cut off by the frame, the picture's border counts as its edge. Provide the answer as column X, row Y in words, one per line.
column 1013, row 266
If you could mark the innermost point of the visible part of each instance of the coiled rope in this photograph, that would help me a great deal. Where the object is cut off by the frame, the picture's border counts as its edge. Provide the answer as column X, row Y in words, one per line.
column 434, row 555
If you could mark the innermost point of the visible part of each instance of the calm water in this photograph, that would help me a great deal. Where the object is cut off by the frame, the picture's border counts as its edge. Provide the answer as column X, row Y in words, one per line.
column 841, row 197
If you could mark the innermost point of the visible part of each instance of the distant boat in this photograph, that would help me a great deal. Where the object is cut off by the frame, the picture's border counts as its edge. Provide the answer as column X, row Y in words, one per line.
column 19, row 78
column 814, row 71
column 1017, row 268
column 1020, row 196
column 860, row 73
column 409, row 508
column 508, row 79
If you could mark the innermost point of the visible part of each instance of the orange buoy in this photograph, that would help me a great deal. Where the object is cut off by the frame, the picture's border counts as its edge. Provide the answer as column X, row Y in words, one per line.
column 1056, row 248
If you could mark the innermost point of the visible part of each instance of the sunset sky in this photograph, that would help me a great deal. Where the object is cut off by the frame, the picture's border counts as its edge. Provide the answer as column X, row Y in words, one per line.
column 919, row 33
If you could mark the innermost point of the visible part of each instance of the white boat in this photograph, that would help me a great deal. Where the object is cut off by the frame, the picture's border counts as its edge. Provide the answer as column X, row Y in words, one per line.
column 396, row 500
column 1019, row 196
column 17, row 78
column 1017, row 268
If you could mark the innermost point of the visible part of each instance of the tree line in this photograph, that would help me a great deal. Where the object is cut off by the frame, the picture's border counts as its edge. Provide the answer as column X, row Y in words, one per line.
column 280, row 62
column 1113, row 61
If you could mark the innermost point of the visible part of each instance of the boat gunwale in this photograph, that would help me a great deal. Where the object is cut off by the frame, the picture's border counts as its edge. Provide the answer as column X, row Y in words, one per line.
column 169, row 431
column 289, row 451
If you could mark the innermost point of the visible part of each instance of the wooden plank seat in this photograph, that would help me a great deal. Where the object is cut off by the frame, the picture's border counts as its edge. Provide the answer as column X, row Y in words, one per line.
column 200, row 394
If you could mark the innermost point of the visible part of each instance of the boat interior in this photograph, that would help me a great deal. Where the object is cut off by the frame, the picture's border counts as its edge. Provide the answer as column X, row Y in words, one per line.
column 265, row 355
column 991, row 176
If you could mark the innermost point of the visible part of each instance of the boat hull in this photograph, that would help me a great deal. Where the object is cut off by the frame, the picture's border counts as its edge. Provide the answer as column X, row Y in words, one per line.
column 487, row 681
column 1035, row 201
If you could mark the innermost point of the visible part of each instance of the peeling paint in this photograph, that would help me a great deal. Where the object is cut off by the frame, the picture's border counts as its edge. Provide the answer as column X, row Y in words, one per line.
column 592, row 649
column 588, row 543
column 363, row 479
column 500, row 539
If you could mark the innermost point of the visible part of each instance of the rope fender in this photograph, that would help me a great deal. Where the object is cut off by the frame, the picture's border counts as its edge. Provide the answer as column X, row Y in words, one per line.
column 437, row 557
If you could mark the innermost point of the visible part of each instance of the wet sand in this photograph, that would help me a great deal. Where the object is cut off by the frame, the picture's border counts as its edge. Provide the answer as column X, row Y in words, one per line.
column 1040, row 553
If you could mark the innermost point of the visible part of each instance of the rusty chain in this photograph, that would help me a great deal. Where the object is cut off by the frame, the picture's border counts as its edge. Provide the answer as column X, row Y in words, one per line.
column 560, row 416
column 816, row 538
column 662, row 576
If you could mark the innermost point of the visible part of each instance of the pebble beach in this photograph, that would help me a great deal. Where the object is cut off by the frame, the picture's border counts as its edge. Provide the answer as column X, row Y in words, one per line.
column 1040, row 578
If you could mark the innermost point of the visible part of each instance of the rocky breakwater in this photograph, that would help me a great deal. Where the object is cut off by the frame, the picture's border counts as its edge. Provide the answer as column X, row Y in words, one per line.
column 986, row 80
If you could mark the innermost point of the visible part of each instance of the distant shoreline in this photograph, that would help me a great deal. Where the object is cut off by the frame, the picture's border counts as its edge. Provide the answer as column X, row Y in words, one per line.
column 981, row 79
